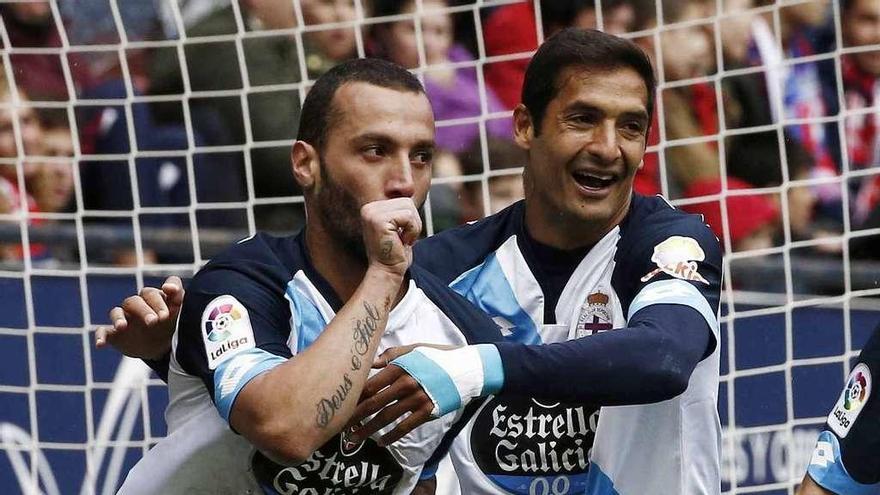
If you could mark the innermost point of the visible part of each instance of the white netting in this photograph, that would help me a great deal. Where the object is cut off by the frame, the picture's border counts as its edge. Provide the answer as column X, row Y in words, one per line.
column 148, row 199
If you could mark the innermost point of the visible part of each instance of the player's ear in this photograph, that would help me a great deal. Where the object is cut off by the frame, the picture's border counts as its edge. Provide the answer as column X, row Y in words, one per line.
column 523, row 129
column 305, row 163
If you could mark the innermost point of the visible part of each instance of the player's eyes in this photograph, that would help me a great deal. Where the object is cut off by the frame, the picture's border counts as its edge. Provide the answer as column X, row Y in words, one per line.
column 373, row 151
column 583, row 119
column 634, row 129
column 423, row 157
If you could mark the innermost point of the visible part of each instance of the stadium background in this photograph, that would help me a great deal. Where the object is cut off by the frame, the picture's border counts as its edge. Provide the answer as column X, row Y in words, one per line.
column 138, row 138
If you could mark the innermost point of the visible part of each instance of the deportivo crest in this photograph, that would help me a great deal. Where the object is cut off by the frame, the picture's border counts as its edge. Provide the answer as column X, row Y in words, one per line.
column 851, row 401
column 677, row 256
column 595, row 316
column 226, row 329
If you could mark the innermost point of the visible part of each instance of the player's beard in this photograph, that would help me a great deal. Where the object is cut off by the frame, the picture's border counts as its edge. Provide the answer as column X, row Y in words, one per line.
column 340, row 215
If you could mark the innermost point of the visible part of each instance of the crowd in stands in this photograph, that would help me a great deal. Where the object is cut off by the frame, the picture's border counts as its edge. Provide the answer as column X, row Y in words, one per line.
column 778, row 123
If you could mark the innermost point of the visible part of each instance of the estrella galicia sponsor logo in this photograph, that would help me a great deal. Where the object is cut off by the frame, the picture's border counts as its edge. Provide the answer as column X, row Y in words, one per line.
column 527, row 447
column 337, row 468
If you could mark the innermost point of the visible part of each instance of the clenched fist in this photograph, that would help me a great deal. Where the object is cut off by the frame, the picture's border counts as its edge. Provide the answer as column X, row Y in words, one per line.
column 390, row 227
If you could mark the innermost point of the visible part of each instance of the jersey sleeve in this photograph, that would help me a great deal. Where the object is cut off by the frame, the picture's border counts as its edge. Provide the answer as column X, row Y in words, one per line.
column 233, row 326
column 676, row 261
column 847, row 455
column 668, row 280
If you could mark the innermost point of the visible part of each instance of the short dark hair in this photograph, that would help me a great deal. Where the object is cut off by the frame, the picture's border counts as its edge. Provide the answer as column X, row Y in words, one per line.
column 318, row 113
column 585, row 48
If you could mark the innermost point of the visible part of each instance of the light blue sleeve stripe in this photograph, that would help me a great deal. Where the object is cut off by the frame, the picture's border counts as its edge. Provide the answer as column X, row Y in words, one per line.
column 828, row 471
column 493, row 369
column 234, row 373
column 437, row 384
column 674, row 292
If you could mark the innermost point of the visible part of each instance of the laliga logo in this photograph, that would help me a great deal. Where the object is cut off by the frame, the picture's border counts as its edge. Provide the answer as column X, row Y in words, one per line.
column 856, row 390
column 221, row 321
column 677, row 256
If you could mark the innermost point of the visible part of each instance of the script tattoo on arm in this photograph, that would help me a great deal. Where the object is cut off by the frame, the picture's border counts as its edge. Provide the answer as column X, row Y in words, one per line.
column 364, row 330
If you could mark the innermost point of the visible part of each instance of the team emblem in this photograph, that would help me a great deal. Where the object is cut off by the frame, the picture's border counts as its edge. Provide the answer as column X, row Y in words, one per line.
column 853, row 398
column 346, row 446
column 677, row 256
column 595, row 315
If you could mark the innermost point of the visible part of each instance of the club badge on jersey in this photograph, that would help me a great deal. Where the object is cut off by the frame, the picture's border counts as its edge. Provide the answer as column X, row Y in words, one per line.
column 226, row 329
column 677, row 257
column 596, row 315
column 851, row 401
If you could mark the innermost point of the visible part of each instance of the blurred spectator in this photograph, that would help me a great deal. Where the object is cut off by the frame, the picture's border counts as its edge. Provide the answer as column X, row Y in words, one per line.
column 752, row 220
column 755, row 159
column 806, row 90
column 191, row 12
column 53, row 190
column 32, row 25
column 513, row 29
column 446, row 199
column 747, row 97
column 454, row 93
column 94, row 23
column 504, row 190
column 804, row 95
column 860, row 20
column 687, row 111
column 325, row 48
column 12, row 196
column 52, row 185
column 160, row 179
column 215, row 66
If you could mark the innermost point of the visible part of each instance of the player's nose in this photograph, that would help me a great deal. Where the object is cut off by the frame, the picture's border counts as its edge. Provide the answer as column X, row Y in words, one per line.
column 603, row 143
column 399, row 181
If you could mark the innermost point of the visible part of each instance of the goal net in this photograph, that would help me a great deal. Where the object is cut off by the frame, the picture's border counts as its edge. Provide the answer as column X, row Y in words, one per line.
column 137, row 139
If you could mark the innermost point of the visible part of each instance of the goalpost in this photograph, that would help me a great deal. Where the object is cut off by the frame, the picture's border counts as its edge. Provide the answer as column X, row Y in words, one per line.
column 75, row 419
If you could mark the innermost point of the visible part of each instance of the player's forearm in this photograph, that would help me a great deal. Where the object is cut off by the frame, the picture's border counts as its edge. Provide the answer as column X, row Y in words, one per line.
column 646, row 363
column 296, row 407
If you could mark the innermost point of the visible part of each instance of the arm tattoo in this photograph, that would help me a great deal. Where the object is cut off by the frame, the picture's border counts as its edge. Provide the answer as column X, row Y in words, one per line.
column 327, row 407
column 385, row 253
column 364, row 330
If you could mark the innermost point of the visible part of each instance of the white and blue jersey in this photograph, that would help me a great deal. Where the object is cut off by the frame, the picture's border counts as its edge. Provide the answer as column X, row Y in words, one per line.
column 633, row 325
column 250, row 309
column 846, row 460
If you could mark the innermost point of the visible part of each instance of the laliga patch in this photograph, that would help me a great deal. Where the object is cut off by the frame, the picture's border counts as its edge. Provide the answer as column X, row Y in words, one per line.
column 851, row 401
column 226, row 329
column 677, row 256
